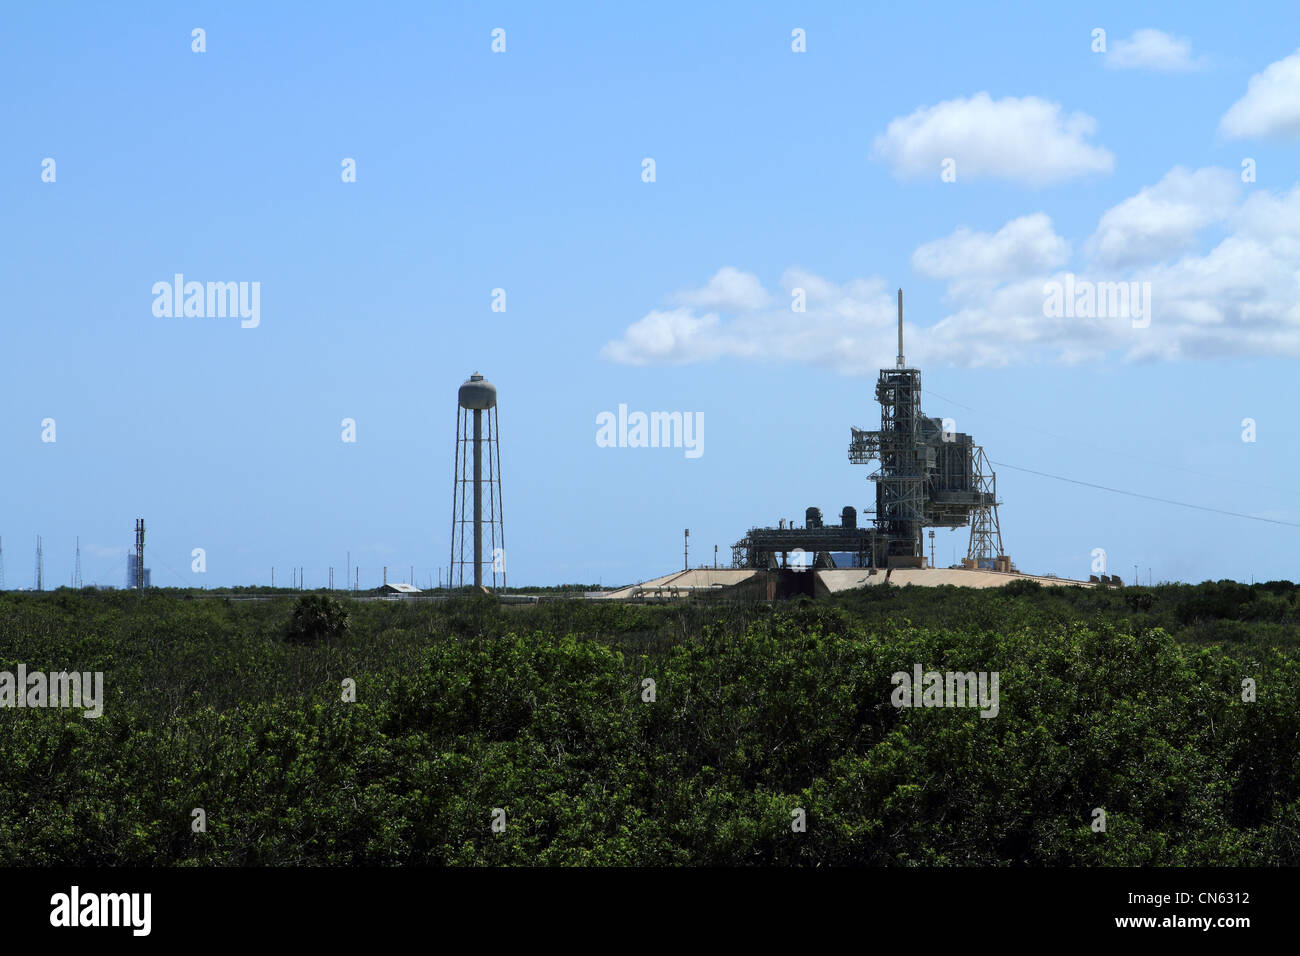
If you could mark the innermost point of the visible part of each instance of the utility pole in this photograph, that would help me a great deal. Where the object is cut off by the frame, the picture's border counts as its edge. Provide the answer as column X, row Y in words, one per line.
column 686, row 552
column 931, row 547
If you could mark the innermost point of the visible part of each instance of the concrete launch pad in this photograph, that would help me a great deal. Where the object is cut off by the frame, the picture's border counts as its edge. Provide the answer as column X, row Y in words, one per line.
column 740, row 582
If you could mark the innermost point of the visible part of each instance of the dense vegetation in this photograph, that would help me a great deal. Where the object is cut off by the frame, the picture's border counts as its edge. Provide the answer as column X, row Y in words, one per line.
column 1127, row 700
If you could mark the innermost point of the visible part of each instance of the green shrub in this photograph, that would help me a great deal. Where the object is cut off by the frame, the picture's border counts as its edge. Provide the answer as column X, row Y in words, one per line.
column 1021, row 586
column 1138, row 600
column 316, row 618
column 757, row 710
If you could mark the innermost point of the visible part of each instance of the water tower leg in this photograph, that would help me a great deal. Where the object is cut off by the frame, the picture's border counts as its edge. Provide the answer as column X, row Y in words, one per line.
column 478, row 499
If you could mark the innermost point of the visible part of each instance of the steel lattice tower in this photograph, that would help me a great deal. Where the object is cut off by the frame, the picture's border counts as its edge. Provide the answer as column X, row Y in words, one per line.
column 900, row 483
column 900, row 448
column 985, row 531
column 930, row 475
column 476, row 407
column 40, row 565
column 139, row 553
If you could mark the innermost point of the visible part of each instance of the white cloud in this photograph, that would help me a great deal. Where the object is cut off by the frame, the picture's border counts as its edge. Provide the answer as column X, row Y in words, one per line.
column 842, row 325
column 1270, row 218
column 1153, row 50
column 1239, row 297
column 668, row 338
column 1022, row 246
column 1166, row 218
column 728, row 290
column 1271, row 106
column 1026, row 140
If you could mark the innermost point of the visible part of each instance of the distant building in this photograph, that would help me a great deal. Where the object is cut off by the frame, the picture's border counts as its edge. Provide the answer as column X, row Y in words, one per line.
column 392, row 589
column 130, row 572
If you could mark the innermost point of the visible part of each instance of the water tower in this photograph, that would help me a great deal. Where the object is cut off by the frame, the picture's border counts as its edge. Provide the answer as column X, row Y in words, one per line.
column 477, row 403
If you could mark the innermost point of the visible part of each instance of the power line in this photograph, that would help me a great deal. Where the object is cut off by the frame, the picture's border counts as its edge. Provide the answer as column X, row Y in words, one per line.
column 1110, row 451
column 1134, row 494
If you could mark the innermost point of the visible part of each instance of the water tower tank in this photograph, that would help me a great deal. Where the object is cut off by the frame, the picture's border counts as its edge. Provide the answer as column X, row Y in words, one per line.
column 478, row 393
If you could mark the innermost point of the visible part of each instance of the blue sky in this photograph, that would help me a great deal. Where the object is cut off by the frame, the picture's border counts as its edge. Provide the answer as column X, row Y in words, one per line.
column 522, row 171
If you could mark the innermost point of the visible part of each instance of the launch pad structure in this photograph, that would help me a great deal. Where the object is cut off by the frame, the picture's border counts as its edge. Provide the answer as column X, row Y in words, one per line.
column 928, row 476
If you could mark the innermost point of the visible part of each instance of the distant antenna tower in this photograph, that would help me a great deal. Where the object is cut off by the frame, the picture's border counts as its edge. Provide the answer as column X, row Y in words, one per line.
column 139, row 553
column 76, row 575
column 477, row 395
column 2, row 564
column 40, row 565
column 901, row 362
